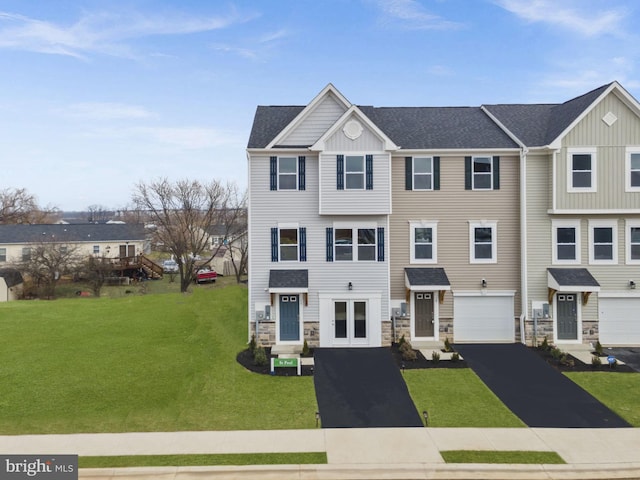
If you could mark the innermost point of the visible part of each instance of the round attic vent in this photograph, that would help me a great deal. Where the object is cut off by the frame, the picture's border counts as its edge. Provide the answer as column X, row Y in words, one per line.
column 352, row 129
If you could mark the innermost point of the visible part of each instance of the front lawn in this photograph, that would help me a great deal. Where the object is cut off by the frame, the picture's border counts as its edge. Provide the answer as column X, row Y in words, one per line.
column 139, row 363
column 618, row 391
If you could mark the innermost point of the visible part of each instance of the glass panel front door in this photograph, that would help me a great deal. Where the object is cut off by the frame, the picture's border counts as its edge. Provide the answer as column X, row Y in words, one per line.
column 350, row 323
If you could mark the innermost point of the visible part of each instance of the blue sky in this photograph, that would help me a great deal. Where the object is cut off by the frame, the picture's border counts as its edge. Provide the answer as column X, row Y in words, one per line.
column 96, row 96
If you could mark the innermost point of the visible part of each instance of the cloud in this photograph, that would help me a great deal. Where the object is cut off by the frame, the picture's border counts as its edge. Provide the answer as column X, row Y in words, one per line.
column 411, row 15
column 102, row 33
column 107, row 111
column 578, row 17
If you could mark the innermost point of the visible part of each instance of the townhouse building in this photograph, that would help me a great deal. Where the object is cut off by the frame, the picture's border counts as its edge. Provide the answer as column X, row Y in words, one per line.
column 497, row 223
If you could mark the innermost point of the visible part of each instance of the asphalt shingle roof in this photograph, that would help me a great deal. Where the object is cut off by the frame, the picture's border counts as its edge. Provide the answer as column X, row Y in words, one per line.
column 288, row 278
column 426, row 276
column 71, row 233
column 12, row 277
column 573, row 277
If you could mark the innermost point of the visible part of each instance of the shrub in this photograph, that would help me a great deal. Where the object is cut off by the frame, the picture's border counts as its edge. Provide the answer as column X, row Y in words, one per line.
column 409, row 355
column 305, row 348
column 595, row 361
column 252, row 344
column 447, row 345
column 455, row 357
column 402, row 341
column 260, row 356
column 545, row 344
column 435, row 356
column 598, row 348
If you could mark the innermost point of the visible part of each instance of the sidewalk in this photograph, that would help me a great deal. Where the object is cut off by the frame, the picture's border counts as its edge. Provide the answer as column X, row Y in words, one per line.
column 357, row 453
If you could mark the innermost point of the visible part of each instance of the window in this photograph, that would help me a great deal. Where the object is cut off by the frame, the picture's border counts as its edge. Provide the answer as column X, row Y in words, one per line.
column 633, row 241
column 64, row 249
column 355, row 244
column 423, row 242
column 96, row 249
column 354, row 172
column 633, row 170
column 288, row 244
column 26, row 254
column 287, row 173
column 581, row 174
column 422, row 173
column 482, row 173
column 566, row 241
column 483, row 244
column 603, row 241
column 3, row 254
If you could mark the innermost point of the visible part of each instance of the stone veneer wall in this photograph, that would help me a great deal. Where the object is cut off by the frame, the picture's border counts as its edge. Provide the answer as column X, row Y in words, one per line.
column 267, row 334
column 590, row 331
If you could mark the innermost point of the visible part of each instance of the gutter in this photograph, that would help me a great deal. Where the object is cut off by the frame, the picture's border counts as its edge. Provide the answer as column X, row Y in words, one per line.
column 524, row 284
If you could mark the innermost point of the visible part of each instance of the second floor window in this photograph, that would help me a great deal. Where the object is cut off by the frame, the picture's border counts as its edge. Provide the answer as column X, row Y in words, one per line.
column 566, row 241
column 633, row 170
column 581, row 171
column 287, row 173
column 288, row 244
column 482, row 173
column 3, row 254
column 354, row 172
column 483, row 244
column 26, row 254
column 355, row 244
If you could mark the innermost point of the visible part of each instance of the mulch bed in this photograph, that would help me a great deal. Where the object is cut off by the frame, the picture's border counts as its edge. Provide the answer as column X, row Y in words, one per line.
column 572, row 364
column 245, row 358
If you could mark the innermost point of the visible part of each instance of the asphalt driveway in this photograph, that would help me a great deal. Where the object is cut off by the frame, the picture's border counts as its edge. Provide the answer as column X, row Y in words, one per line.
column 535, row 391
column 629, row 355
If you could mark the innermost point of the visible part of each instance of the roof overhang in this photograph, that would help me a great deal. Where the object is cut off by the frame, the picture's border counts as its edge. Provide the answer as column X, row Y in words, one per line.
column 571, row 280
column 426, row 279
column 289, row 281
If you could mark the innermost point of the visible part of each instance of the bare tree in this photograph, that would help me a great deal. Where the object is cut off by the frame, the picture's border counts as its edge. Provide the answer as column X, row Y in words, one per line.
column 183, row 212
column 47, row 260
column 97, row 214
column 239, row 253
column 19, row 206
column 95, row 271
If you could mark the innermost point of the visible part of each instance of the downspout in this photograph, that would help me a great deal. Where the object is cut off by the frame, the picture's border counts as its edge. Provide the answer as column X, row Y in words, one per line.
column 524, row 297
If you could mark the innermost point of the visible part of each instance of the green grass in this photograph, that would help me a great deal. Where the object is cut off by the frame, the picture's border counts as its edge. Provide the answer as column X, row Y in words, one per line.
column 618, row 391
column 488, row 456
column 457, row 398
column 139, row 363
column 311, row 458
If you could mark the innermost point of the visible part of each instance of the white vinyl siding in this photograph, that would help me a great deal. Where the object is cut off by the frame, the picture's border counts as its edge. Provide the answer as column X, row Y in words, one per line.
column 316, row 123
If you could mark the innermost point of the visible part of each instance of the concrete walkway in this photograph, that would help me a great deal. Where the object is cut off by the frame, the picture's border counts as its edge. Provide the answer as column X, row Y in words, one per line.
column 371, row 453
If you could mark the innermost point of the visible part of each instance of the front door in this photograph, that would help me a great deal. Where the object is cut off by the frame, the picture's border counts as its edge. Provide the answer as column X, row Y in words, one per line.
column 289, row 318
column 567, row 313
column 424, row 314
column 350, row 322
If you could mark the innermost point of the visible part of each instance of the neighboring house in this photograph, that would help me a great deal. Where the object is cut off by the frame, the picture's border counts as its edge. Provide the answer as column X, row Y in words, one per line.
column 476, row 224
column 110, row 241
column 10, row 284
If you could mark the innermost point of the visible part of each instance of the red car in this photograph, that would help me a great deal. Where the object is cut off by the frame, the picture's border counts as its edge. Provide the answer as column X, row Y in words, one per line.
column 205, row 275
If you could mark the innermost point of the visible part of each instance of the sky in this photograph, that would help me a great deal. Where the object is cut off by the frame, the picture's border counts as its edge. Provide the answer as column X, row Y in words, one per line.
column 98, row 96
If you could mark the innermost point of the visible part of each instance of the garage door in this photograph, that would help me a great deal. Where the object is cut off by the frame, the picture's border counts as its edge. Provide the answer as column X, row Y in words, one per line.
column 486, row 319
column 619, row 321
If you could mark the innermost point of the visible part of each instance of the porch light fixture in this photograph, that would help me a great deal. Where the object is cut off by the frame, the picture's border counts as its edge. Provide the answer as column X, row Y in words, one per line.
column 350, row 286
column 484, row 283
column 632, row 284
column 426, row 418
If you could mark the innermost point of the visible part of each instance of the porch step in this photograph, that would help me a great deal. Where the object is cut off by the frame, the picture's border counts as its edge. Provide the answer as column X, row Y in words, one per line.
column 282, row 350
column 427, row 345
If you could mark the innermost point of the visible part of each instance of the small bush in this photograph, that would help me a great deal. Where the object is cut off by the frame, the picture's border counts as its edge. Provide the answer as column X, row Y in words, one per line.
column 598, row 348
column 402, row 341
column 260, row 356
column 447, row 345
column 435, row 356
column 545, row 344
column 595, row 361
column 409, row 355
column 305, row 348
column 455, row 357
column 252, row 344
column 556, row 353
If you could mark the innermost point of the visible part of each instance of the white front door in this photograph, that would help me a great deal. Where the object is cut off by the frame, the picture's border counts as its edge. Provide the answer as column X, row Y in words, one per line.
column 350, row 322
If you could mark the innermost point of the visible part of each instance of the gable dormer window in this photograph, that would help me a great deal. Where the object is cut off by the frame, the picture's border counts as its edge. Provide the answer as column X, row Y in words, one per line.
column 287, row 173
column 581, row 170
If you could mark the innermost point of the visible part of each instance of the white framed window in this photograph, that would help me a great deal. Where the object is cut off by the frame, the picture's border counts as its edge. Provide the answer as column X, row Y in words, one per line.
column 354, row 172
column 566, row 241
column 3, row 254
column 482, row 173
column 422, row 173
column 483, row 242
column 96, row 249
column 423, row 241
column 287, row 173
column 582, row 170
column 26, row 254
column 288, row 244
column 355, row 244
column 632, row 242
column 603, row 241
column 632, row 169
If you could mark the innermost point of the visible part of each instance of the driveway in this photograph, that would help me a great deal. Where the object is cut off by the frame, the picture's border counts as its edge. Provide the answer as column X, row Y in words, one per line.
column 535, row 391
column 629, row 355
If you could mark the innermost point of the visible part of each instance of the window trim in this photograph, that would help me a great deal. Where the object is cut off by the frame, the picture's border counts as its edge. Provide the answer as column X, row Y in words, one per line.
column 494, row 241
column 413, row 174
column 592, row 151
column 363, row 173
column 3, row 254
column 289, row 226
column 629, row 224
column 354, row 241
column 473, row 173
column 434, row 243
column 627, row 169
column 575, row 224
column 613, row 225
column 296, row 174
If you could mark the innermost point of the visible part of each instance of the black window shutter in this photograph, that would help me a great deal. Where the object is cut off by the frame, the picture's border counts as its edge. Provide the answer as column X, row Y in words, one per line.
column 301, row 173
column 329, row 244
column 436, row 173
column 496, row 173
column 467, row 173
column 274, row 244
column 274, row 172
column 340, row 172
column 381, row 244
column 302, row 232
column 369, row 171
column 408, row 173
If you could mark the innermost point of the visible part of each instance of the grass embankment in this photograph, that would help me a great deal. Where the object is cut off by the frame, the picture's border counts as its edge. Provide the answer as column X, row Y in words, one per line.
column 139, row 363
column 514, row 457
column 312, row 458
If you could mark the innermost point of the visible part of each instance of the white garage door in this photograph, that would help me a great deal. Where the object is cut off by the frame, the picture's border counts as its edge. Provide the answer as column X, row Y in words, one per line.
column 486, row 319
column 619, row 321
